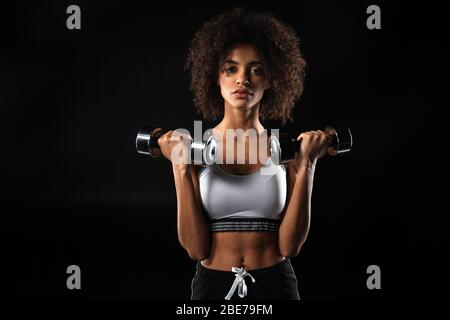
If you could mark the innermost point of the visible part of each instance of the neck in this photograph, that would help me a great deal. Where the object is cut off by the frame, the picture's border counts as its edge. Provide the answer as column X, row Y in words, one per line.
column 245, row 119
column 241, row 119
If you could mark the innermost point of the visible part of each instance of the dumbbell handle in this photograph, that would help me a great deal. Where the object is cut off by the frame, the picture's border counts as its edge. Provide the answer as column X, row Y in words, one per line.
column 340, row 141
column 284, row 148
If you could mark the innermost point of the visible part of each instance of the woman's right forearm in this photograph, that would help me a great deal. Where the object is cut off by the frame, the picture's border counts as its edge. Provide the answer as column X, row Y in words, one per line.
column 193, row 230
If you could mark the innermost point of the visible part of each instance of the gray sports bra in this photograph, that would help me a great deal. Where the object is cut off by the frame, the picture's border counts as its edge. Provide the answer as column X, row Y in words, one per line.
column 252, row 202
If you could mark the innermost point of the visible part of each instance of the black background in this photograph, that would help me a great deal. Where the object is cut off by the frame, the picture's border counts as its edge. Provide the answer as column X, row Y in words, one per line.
column 74, row 190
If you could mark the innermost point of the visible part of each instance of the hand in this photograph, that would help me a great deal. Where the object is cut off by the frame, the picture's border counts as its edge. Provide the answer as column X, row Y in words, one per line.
column 175, row 146
column 313, row 146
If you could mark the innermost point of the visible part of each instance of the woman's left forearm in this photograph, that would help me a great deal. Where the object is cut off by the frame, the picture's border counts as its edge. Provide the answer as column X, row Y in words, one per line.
column 295, row 225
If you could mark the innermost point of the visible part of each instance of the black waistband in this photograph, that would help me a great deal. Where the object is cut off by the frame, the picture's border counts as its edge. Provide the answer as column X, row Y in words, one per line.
column 244, row 224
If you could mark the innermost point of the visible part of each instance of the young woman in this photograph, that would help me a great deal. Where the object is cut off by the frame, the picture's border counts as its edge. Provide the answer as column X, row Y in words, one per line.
column 240, row 225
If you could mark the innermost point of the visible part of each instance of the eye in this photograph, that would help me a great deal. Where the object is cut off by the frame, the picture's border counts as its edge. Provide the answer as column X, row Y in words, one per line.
column 230, row 69
column 256, row 70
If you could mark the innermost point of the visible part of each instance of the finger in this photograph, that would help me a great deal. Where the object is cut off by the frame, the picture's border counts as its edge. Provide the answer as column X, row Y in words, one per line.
column 168, row 134
column 165, row 137
column 325, row 145
column 301, row 136
column 321, row 133
column 322, row 153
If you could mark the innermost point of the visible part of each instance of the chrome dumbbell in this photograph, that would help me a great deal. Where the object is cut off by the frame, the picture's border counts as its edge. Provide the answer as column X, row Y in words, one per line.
column 284, row 147
column 201, row 152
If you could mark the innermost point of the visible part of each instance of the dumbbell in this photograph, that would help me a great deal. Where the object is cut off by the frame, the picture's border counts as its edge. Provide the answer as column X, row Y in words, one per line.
column 283, row 149
column 201, row 152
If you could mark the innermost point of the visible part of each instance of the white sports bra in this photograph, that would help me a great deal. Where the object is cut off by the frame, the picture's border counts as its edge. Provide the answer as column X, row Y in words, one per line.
column 252, row 202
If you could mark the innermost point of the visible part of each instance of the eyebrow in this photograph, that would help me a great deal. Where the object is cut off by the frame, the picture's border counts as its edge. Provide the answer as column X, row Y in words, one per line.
column 235, row 62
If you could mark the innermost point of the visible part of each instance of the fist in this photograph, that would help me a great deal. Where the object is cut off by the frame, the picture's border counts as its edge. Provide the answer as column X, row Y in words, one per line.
column 313, row 146
column 175, row 146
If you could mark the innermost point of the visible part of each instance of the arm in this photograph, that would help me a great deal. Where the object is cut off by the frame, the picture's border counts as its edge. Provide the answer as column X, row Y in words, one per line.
column 295, row 225
column 296, row 221
column 193, row 230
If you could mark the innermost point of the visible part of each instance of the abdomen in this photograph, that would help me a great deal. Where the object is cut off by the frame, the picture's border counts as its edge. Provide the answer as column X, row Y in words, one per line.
column 253, row 250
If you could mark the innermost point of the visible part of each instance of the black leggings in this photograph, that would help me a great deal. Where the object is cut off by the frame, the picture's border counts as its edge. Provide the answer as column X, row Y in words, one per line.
column 277, row 282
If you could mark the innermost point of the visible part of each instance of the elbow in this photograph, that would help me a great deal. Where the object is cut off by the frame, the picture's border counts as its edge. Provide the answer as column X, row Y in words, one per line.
column 291, row 251
column 290, row 246
column 199, row 252
column 197, row 255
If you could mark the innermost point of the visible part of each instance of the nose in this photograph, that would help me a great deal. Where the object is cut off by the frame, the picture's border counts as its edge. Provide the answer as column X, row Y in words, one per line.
column 244, row 82
column 242, row 79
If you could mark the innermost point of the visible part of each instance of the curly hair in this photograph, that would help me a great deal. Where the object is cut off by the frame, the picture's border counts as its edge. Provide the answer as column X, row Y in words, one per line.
column 278, row 47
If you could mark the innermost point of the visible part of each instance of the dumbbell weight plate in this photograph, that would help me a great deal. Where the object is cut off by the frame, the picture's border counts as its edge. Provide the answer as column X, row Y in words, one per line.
column 147, row 141
column 204, row 152
column 342, row 140
column 274, row 150
column 282, row 149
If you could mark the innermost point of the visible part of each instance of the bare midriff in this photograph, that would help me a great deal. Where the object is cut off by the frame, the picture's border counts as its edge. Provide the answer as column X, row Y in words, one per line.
column 251, row 250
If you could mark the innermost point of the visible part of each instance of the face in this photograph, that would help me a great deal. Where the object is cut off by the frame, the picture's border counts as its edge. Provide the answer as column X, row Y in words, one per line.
column 242, row 77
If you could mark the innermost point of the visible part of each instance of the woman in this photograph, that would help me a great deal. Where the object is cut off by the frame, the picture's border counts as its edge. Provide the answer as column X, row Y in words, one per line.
column 240, row 225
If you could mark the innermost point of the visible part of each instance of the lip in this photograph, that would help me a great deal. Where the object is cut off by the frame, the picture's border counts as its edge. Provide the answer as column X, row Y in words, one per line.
column 242, row 93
